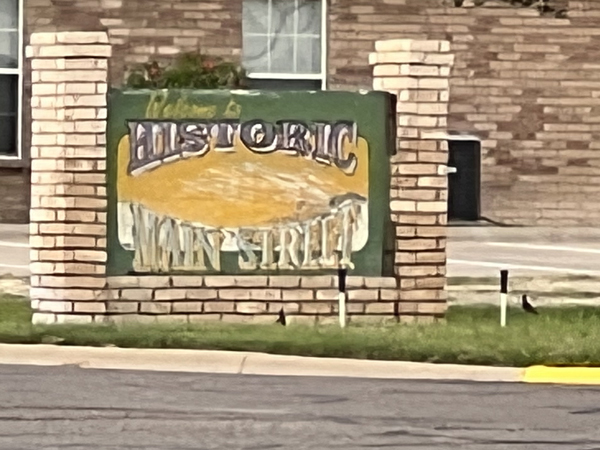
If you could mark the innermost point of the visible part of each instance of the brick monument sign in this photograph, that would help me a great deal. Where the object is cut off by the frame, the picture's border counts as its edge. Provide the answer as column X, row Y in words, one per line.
column 236, row 206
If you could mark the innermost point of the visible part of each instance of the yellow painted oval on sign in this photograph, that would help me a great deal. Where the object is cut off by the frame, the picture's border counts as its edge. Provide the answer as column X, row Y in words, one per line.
column 241, row 188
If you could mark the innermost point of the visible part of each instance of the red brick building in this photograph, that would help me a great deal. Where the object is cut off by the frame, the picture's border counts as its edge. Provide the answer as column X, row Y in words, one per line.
column 525, row 85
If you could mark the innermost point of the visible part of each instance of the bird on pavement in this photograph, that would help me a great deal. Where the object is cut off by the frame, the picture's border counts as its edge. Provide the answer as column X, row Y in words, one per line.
column 528, row 307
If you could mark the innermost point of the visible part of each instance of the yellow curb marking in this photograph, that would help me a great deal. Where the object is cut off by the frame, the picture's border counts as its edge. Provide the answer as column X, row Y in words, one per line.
column 562, row 375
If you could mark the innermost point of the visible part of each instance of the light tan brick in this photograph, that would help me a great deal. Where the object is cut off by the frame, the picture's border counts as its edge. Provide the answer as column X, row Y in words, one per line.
column 155, row 307
column 55, row 306
column 431, row 283
column 251, row 281
column 425, row 294
column 298, row 295
column 407, row 45
column 316, row 308
column 42, row 39
column 136, row 294
column 92, row 283
column 324, row 281
column 80, row 88
column 416, row 169
column 284, row 281
column 170, row 294
column 389, row 294
column 288, row 308
column 265, row 294
column 327, row 294
column 439, row 182
column 380, row 308
column 212, row 307
column 219, row 281
column 73, row 37
column 89, row 307
column 41, row 242
column 432, row 207
column 355, row 308
column 414, row 70
column 431, row 257
column 387, row 70
column 364, row 295
column 122, row 307
column 418, row 271
column 43, row 318
column 188, row 307
column 85, row 140
column 74, row 319
column 64, row 294
column 251, row 307
column 233, row 294
column 89, row 256
column 408, row 307
column 403, row 206
column 153, row 282
column 355, row 282
column 123, row 282
column 396, row 58
column 201, row 294
column 416, row 244
column 187, row 281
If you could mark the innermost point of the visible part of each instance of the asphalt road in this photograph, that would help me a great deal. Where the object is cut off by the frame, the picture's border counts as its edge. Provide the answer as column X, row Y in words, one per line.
column 72, row 408
column 472, row 251
column 483, row 251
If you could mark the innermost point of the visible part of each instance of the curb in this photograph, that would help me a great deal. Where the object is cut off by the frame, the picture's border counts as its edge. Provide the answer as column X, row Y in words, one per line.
column 246, row 363
column 562, row 375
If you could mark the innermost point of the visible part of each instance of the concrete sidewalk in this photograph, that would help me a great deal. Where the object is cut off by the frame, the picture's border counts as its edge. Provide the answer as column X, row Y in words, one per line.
column 14, row 250
column 199, row 361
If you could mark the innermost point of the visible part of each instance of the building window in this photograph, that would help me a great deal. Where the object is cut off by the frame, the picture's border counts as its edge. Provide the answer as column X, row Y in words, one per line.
column 11, row 63
column 284, row 43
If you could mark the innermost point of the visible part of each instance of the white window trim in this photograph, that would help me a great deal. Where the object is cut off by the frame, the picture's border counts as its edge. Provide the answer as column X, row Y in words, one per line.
column 300, row 76
column 19, row 72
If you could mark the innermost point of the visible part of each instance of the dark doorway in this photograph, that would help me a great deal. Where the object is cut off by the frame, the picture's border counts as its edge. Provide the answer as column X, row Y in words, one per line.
column 464, row 184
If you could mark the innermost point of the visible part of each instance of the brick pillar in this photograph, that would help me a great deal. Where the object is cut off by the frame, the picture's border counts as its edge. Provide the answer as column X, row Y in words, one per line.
column 68, row 165
column 418, row 73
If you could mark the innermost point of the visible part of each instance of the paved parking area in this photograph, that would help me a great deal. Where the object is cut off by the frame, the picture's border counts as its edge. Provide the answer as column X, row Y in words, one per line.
column 483, row 251
column 14, row 250
column 472, row 251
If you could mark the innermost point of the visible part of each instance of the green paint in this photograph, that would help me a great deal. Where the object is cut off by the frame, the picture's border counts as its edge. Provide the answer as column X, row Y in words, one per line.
column 371, row 111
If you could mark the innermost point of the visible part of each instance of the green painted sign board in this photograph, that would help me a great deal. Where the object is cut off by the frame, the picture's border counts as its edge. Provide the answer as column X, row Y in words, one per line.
column 248, row 182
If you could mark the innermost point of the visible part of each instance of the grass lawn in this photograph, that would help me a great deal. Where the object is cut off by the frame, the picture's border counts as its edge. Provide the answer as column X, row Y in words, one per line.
column 558, row 336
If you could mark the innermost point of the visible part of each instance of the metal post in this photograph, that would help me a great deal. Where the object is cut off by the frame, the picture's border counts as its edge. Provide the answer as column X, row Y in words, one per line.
column 342, row 273
column 503, row 296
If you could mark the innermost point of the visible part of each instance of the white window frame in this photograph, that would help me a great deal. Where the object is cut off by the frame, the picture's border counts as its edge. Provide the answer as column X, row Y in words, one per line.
column 19, row 72
column 322, row 76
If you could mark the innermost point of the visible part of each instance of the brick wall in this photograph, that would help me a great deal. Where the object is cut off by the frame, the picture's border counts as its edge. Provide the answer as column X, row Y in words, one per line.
column 69, row 204
column 523, row 84
column 144, row 30
column 14, row 195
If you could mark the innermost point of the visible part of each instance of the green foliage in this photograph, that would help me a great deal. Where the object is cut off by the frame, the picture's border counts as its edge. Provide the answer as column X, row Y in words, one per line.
column 472, row 335
column 189, row 71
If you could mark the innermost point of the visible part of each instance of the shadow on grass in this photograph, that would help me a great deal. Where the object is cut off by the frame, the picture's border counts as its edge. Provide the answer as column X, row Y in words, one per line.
column 558, row 336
